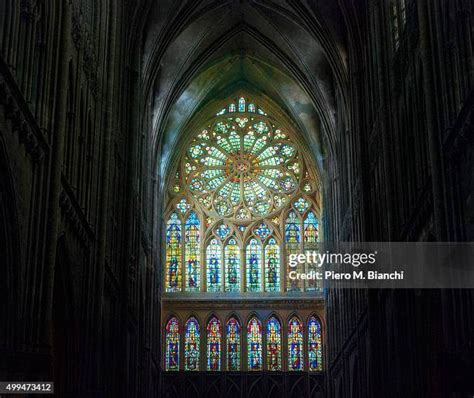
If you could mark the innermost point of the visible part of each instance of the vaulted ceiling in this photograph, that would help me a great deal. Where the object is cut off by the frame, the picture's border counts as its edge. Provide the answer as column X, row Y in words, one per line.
column 196, row 53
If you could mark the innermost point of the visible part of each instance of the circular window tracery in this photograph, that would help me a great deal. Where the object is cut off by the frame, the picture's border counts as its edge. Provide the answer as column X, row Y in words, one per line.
column 242, row 166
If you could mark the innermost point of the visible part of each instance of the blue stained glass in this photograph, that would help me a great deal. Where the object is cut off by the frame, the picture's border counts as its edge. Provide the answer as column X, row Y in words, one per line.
column 172, row 345
column 192, row 339
column 251, row 108
column 315, row 352
column 222, row 231
column 233, row 345
column 173, row 254
column 241, row 104
column 262, row 231
column 192, row 253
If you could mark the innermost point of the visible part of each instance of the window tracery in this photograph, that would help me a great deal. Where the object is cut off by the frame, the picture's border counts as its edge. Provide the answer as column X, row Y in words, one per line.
column 243, row 198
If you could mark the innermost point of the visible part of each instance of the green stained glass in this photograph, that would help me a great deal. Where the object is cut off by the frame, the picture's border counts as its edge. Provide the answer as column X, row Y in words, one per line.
column 241, row 104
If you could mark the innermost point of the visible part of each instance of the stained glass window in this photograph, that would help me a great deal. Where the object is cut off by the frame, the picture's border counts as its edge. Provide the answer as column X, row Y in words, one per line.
column 311, row 228
column 254, row 265
column 222, row 231
column 295, row 344
column 310, row 239
column 232, row 266
column 191, row 345
column 254, row 344
column 172, row 345
column 192, row 253
column 241, row 104
column 272, row 266
column 315, row 352
column 173, row 254
column 241, row 168
column 214, row 258
column 292, row 240
column 273, row 344
column 301, row 205
column 233, row 345
column 251, row 108
column 262, row 231
column 214, row 334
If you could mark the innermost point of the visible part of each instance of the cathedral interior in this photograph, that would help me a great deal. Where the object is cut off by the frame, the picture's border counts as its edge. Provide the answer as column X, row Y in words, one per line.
column 160, row 159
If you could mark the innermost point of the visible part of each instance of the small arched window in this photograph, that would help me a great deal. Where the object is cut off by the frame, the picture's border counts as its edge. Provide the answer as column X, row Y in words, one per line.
column 273, row 344
column 214, row 335
column 192, row 340
column 295, row 344
column 172, row 345
column 233, row 345
column 315, row 351
column 254, row 345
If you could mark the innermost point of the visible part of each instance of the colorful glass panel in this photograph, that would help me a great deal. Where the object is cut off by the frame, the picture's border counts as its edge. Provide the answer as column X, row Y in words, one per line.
column 232, row 266
column 295, row 345
column 315, row 352
column 293, row 240
column 214, row 269
column 254, row 266
column 301, row 205
column 222, row 231
column 172, row 345
column 192, row 253
column 262, row 231
column 192, row 339
column 254, row 345
column 251, row 108
column 272, row 266
column 173, row 254
column 241, row 104
column 214, row 335
column 273, row 344
column 311, row 228
column 233, row 345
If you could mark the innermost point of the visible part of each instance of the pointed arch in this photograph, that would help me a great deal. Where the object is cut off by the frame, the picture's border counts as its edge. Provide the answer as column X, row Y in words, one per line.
column 214, row 265
column 172, row 344
column 253, row 255
column 173, row 253
column 315, row 347
column 233, row 341
column 272, row 265
column 295, row 344
column 214, row 344
column 192, row 252
column 232, row 265
column 254, row 344
column 192, row 339
column 273, row 344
